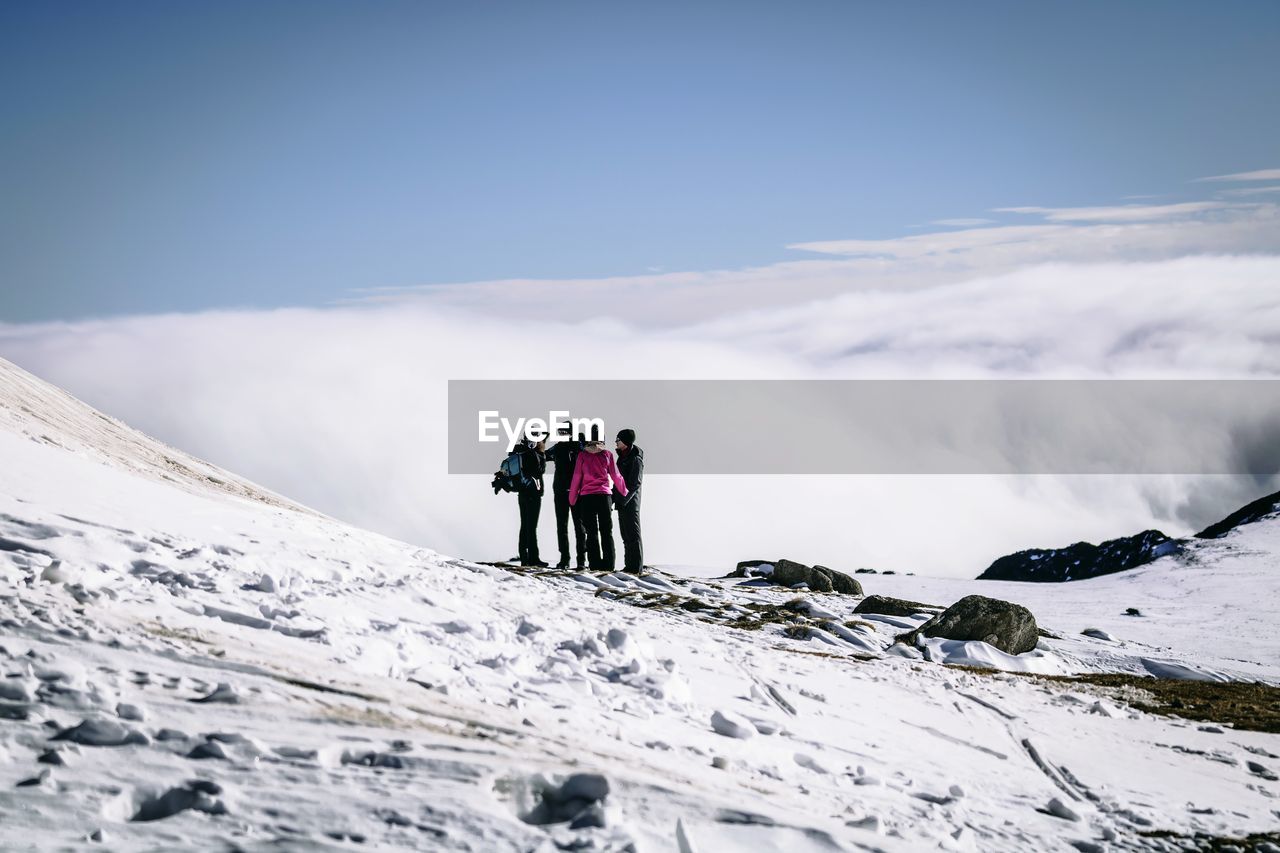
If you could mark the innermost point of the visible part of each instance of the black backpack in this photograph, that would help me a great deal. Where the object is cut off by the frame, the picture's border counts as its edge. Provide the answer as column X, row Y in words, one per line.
column 510, row 476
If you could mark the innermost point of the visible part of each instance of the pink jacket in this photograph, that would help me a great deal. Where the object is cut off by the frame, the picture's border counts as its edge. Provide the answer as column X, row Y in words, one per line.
column 591, row 475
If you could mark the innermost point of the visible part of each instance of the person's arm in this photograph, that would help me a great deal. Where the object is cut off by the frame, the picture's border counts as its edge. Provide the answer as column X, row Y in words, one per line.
column 620, row 483
column 634, row 486
column 577, row 481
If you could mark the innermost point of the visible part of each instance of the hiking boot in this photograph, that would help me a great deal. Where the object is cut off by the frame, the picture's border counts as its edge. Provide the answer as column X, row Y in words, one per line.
column 539, row 563
column 562, row 565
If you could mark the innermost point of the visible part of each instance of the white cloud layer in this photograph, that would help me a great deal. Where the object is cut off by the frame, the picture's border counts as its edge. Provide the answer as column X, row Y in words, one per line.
column 1246, row 192
column 1259, row 175
column 963, row 223
column 342, row 408
column 1123, row 212
column 919, row 261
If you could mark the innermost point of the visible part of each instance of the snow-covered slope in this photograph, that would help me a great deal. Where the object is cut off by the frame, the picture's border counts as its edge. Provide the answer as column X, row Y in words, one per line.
column 190, row 667
column 43, row 413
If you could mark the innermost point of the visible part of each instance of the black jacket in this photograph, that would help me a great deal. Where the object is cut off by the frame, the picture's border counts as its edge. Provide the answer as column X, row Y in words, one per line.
column 563, row 454
column 533, row 464
column 631, row 467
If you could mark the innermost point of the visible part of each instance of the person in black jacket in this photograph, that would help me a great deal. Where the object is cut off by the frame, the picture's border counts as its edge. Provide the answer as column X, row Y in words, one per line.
column 631, row 467
column 563, row 453
column 532, row 465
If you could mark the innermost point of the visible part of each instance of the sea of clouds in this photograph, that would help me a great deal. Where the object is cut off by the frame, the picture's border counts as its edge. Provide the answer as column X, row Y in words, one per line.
column 341, row 407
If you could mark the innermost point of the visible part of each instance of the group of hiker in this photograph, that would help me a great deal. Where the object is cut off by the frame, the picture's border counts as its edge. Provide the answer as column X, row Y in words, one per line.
column 588, row 486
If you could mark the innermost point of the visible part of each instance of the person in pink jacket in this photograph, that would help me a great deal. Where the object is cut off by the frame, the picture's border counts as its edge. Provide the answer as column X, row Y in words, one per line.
column 595, row 476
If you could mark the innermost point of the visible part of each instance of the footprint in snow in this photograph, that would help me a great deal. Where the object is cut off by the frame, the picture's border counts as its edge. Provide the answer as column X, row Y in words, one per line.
column 102, row 732
column 732, row 725
column 224, row 694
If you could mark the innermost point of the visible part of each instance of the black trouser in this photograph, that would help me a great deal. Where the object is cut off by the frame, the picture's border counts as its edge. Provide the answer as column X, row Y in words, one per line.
column 530, row 508
column 564, row 513
column 597, row 521
column 629, row 527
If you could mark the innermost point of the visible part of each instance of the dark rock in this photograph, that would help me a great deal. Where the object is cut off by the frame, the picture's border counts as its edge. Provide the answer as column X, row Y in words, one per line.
column 576, row 801
column 588, row 786
column 1081, row 560
column 590, row 817
column 1261, row 770
column 864, row 571
column 208, row 749
column 791, row 573
column 886, row 606
column 14, row 711
column 197, row 795
column 818, row 578
column 226, row 737
column 840, row 582
column 788, row 573
column 742, row 818
column 37, row 780
column 205, row 786
column 1256, row 511
column 52, row 756
column 1007, row 626
column 1132, row 611
column 744, row 568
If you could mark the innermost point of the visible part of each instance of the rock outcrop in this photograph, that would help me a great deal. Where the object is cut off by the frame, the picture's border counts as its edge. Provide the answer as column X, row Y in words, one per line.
column 887, row 606
column 1081, row 560
column 790, row 573
column 1256, row 511
column 1009, row 627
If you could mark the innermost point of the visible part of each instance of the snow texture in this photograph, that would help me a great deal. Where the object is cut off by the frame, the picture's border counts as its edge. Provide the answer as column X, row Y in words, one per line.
column 190, row 662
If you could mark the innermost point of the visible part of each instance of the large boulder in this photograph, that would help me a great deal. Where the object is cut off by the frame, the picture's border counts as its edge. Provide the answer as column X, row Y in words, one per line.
column 884, row 605
column 818, row 578
column 1009, row 627
column 790, row 573
column 746, row 568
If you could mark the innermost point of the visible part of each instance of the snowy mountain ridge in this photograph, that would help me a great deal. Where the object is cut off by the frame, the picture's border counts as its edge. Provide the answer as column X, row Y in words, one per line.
column 1084, row 560
column 44, row 413
column 187, row 666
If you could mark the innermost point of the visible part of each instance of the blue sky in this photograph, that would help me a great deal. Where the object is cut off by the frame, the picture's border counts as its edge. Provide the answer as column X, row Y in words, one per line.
column 178, row 156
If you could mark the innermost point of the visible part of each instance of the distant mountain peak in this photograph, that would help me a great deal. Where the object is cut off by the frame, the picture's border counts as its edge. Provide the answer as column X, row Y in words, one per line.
column 1256, row 511
column 1081, row 560
column 1086, row 560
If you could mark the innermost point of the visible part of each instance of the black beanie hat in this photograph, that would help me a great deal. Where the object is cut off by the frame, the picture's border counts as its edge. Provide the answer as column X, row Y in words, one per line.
column 627, row 436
